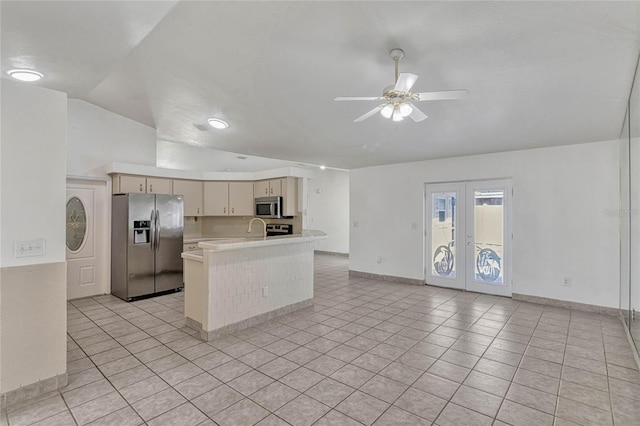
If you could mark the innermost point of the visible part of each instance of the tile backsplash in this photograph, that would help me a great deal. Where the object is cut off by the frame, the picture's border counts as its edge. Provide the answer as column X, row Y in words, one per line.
column 221, row 226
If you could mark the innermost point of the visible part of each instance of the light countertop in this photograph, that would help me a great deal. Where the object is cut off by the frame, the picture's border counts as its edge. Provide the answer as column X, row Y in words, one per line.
column 227, row 244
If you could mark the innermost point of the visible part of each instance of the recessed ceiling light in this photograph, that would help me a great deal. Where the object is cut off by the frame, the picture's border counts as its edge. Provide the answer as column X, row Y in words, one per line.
column 217, row 123
column 25, row 75
column 242, row 157
column 323, row 167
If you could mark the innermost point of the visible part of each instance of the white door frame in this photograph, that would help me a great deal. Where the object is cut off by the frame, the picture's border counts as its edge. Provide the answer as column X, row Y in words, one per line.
column 101, row 224
column 465, row 255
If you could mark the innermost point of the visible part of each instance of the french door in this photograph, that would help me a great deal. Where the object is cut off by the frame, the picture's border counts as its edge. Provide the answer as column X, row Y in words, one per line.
column 468, row 235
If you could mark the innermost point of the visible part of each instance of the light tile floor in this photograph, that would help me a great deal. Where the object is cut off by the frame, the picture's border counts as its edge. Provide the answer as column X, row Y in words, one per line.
column 367, row 352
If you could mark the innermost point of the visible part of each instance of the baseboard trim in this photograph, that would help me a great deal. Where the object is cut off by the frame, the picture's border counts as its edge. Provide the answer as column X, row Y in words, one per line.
column 584, row 307
column 389, row 278
column 33, row 390
column 331, row 253
column 210, row 335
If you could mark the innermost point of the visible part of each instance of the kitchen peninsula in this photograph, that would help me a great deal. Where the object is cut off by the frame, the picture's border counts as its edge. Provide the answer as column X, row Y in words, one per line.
column 239, row 282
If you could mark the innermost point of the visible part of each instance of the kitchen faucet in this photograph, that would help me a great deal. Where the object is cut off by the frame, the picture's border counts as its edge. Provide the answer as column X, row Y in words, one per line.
column 264, row 226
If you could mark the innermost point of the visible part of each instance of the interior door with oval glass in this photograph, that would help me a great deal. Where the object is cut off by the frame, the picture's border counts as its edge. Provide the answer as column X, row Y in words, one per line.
column 85, row 240
column 468, row 238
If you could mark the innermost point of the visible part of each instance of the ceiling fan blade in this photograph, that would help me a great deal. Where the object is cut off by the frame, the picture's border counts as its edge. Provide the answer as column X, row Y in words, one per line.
column 357, row 98
column 416, row 115
column 405, row 82
column 440, row 96
column 369, row 114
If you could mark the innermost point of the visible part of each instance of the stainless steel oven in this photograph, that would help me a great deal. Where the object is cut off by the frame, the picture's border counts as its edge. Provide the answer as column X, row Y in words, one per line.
column 270, row 207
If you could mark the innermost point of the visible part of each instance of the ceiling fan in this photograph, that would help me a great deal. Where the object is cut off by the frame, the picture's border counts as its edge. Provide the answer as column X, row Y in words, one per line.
column 397, row 98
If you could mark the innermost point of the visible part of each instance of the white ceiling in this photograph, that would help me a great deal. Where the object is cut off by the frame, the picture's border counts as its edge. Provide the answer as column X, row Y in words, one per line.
column 539, row 73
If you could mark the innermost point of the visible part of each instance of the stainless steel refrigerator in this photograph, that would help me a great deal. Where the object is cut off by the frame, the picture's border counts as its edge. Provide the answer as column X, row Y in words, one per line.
column 146, row 243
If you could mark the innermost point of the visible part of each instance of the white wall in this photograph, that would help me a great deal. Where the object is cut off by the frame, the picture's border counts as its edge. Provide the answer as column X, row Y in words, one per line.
column 32, row 289
column 97, row 136
column 560, row 221
column 33, row 171
column 328, row 210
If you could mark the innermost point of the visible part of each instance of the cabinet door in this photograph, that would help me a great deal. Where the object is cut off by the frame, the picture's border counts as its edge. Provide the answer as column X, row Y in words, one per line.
column 261, row 188
column 241, row 198
column 191, row 191
column 132, row 184
column 289, row 196
column 275, row 187
column 158, row 186
column 216, row 198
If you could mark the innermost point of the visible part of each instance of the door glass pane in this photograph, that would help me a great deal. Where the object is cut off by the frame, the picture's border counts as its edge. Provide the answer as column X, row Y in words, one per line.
column 76, row 224
column 443, row 234
column 489, row 236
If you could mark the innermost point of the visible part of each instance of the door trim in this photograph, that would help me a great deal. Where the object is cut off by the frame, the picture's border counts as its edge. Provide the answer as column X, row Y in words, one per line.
column 102, row 231
column 463, row 270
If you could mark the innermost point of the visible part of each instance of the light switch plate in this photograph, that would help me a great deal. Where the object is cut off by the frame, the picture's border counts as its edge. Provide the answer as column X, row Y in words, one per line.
column 30, row 248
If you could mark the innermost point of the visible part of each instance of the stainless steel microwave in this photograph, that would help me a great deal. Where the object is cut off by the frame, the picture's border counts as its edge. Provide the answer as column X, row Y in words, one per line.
column 269, row 207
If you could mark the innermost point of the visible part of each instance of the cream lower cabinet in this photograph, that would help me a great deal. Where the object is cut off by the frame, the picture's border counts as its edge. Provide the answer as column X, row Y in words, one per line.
column 191, row 191
column 228, row 198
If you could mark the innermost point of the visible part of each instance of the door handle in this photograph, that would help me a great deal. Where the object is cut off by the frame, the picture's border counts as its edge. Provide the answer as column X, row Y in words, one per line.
column 152, row 231
column 157, row 230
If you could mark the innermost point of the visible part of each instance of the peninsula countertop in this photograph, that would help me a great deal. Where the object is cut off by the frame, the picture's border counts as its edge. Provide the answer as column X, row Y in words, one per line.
column 229, row 244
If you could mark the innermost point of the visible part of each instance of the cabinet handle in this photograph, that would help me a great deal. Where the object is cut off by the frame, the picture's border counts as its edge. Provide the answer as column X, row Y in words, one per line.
column 141, row 188
column 224, row 210
column 198, row 210
column 151, row 187
column 233, row 209
column 266, row 191
column 271, row 190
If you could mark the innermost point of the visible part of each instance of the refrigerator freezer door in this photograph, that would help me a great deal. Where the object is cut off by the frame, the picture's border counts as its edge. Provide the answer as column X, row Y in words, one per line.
column 168, row 242
column 140, row 262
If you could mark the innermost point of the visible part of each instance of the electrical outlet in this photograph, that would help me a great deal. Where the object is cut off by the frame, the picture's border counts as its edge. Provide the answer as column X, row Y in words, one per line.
column 566, row 282
column 265, row 291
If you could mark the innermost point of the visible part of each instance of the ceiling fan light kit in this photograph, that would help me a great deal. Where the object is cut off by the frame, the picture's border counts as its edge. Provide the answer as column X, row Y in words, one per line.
column 397, row 98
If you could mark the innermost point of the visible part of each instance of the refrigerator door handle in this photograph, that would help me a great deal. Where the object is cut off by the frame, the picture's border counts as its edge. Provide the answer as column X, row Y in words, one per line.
column 157, row 230
column 152, row 230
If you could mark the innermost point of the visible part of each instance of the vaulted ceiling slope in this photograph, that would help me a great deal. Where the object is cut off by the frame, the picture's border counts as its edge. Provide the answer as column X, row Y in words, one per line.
column 538, row 73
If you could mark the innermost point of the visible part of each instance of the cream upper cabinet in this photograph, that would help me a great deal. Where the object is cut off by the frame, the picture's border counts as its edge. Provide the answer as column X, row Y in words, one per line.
column 267, row 188
column 241, row 199
column 275, row 187
column 124, row 184
column 191, row 191
column 261, row 188
column 289, row 194
column 216, row 198
column 159, row 186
